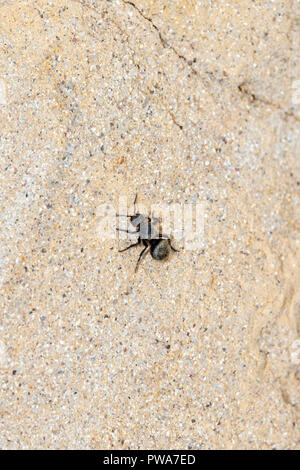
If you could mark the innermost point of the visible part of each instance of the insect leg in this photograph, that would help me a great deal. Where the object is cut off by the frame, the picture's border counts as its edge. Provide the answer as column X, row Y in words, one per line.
column 172, row 247
column 165, row 237
column 147, row 248
column 127, row 231
column 134, row 202
column 130, row 246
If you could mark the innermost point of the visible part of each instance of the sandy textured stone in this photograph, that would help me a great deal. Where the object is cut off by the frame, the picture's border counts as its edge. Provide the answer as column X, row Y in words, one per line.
column 180, row 101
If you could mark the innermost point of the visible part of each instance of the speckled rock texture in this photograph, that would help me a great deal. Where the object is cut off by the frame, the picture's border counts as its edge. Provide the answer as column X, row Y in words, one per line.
column 180, row 101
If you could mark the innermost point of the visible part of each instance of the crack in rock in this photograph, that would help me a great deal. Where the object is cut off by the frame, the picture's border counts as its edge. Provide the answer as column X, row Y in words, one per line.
column 165, row 45
column 243, row 88
column 162, row 39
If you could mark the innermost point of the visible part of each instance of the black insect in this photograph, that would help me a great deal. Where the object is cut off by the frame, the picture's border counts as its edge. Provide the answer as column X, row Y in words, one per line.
column 157, row 243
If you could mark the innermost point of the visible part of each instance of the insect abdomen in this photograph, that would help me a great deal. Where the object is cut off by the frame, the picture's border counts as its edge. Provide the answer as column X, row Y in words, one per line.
column 159, row 249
